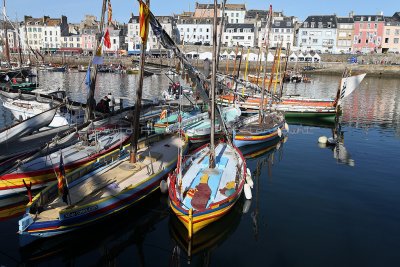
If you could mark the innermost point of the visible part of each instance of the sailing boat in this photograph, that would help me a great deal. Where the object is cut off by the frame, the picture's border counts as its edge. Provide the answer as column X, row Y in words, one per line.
column 115, row 186
column 207, row 184
column 265, row 126
column 321, row 109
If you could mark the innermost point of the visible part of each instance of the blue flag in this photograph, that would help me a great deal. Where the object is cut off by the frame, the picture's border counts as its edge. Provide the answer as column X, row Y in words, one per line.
column 87, row 80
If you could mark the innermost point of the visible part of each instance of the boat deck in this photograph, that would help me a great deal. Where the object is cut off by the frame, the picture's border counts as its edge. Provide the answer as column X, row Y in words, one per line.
column 121, row 176
column 203, row 186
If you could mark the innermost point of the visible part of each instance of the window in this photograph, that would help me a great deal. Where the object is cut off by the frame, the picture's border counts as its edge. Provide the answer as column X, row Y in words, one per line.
column 187, row 30
column 288, row 30
column 50, row 32
column 249, row 38
column 194, row 30
column 77, row 39
column 304, row 33
column 115, row 41
column 39, row 29
column 288, row 24
column 201, row 29
column 276, row 30
column 386, row 40
column 304, row 41
column 387, row 31
column 312, row 24
column 376, row 26
column 305, row 24
column 396, row 40
column 277, row 23
column 237, row 15
column 45, row 39
column 315, row 41
column 397, row 32
column 329, row 24
column 208, row 30
column 78, row 45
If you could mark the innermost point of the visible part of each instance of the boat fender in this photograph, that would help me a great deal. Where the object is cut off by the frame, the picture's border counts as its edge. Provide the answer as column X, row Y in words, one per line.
column 163, row 186
column 247, row 191
column 249, row 181
column 279, row 132
column 322, row 139
column 286, row 127
column 246, row 206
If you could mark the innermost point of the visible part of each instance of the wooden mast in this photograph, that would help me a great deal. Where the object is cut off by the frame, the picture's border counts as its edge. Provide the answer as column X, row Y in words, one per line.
column 90, row 100
column 269, row 22
column 138, row 104
column 213, row 85
column 7, row 48
column 221, row 30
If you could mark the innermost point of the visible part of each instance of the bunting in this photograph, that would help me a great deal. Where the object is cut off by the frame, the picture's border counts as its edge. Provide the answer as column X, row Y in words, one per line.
column 109, row 15
column 144, row 21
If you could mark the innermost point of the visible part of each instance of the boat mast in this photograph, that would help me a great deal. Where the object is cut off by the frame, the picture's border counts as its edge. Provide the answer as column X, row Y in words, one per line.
column 221, row 30
column 136, row 117
column 266, row 43
column 285, row 69
column 19, row 42
column 213, row 85
column 90, row 100
column 7, row 48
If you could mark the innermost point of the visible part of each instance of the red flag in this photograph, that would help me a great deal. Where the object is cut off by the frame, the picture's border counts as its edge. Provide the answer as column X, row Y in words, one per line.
column 107, row 41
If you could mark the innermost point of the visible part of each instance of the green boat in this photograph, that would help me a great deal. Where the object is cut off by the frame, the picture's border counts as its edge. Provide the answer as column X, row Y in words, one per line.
column 27, row 86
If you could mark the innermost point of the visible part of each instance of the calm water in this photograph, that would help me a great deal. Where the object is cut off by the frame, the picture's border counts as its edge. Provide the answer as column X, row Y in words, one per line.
column 308, row 209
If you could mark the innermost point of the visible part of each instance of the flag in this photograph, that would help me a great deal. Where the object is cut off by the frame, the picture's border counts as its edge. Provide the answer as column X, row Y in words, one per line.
column 144, row 15
column 87, row 79
column 163, row 114
column 107, row 41
column 62, row 183
column 98, row 58
column 109, row 12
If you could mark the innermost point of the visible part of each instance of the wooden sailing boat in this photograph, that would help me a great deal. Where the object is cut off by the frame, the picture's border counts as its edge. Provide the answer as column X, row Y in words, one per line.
column 207, row 184
column 265, row 126
column 120, row 183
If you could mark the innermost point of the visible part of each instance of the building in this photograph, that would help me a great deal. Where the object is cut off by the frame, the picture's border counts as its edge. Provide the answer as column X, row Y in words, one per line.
column 319, row 34
column 133, row 37
column 391, row 35
column 43, row 33
column 345, row 29
column 239, row 34
column 205, row 11
column 12, row 35
column 88, row 39
column 235, row 13
column 193, row 30
column 117, row 40
column 368, row 33
column 282, row 30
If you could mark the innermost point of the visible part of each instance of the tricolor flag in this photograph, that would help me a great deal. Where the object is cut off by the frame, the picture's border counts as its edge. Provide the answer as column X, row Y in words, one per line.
column 107, row 41
column 144, row 15
column 109, row 12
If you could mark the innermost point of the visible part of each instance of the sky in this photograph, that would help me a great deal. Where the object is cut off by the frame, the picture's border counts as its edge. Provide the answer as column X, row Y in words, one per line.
column 122, row 9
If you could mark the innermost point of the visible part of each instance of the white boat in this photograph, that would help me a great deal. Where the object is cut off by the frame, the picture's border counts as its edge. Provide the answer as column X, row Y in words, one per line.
column 27, row 126
column 25, row 109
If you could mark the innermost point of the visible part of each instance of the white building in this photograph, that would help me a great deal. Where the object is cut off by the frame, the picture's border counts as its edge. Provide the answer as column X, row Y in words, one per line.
column 345, row 30
column 239, row 34
column 133, row 37
column 43, row 33
column 195, row 30
column 318, row 33
column 282, row 30
column 235, row 13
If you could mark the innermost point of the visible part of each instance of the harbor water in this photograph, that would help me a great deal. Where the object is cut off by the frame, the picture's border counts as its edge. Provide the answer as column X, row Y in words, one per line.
column 312, row 205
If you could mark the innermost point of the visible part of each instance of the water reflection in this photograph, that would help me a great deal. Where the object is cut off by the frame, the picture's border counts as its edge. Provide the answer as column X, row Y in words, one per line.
column 104, row 243
column 198, row 251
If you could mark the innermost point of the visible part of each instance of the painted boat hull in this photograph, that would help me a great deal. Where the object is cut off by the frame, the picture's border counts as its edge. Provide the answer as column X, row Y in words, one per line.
column 214, row 211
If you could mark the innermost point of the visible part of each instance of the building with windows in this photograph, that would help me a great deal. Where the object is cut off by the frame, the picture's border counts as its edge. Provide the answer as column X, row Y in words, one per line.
column 235, row 13
column 368, row 33
column 12, row 34
column 345, row 29
column 43, row 33
column 391, row 35
column 282, row 30
column 193, row 30
column 239, row 34
column 133, row 36
column 319, row 34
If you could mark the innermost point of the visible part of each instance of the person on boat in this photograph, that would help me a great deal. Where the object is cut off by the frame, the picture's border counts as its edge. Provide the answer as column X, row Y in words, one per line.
column 6, row 78
column 202, row 194
column 103, row 105
column 111, row 101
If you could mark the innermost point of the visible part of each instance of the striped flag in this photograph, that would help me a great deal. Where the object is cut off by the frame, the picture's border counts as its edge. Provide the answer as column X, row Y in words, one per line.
column 109, row 12
column 62, row 183
column 144, row 15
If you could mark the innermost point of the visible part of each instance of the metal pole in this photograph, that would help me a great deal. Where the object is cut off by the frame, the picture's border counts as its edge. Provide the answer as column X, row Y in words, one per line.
column 138, row 104
column 7, row 48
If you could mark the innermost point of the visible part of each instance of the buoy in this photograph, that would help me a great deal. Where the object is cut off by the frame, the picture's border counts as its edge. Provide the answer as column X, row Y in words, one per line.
column 163, row 186
column 247, row 191
column 322, row 139
column 331, row 141
column 279, row 132
column 286, row 127
column 246, row 206
column 249, row 181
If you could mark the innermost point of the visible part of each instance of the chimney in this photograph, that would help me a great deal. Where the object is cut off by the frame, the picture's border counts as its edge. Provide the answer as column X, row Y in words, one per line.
column 351, row 14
